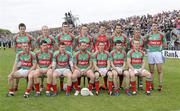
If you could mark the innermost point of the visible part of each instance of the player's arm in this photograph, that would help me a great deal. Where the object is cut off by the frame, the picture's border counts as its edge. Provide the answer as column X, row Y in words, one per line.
column 95, row 63
column 164, row 41
column 129, row 61
column 54, row 61
column 71, row 63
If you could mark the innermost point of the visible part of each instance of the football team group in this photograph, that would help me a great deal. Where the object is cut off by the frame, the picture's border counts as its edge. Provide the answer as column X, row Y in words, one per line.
column 117, row 59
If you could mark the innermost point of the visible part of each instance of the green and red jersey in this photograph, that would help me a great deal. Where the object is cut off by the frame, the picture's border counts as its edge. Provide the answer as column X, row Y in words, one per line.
column 22, row 39
column 62, row 59
column 82, row 59
column 49, row 39
column 136, row 57
column 101, row 59
column 141, row 41
column 25, row 60
column 118, row 58
column 87, row 39
column 121, row 38
column 44, row 59
column 102, row 38
column 155, row 42
column 66, row 38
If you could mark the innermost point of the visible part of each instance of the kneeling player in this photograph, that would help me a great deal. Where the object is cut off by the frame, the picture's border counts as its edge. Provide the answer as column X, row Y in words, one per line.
column 26, row 62
column 62, row 66
column 102, row 66
column 44, row 60
column 118, row 57
column 83, row 66
column 136, row 64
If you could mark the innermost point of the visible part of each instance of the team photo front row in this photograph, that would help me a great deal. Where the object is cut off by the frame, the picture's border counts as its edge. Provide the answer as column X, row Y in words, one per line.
column 61, row 63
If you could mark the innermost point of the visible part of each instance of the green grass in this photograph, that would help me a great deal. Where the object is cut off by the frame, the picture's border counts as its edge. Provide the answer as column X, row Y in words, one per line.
column 167, row 100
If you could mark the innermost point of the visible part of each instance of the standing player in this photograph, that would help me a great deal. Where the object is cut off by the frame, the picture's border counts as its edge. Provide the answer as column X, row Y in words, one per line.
column 102, row 37
column 66, row 37
column 84, row 37
column 62, row 66
column 118, row 35
column 44, row 60
column 118, row 58
column 136, row 64
column 155, row 41
column 26, row 62
column 83, row 66
column 48, row 38
column 102, row 67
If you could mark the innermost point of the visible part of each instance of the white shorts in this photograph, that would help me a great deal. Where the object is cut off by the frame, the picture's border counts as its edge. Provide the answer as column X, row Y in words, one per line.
column 103, row 71
column 62, row 71
column 119, row 70
column 155, row 58
column 138, row 71
column 23, row 72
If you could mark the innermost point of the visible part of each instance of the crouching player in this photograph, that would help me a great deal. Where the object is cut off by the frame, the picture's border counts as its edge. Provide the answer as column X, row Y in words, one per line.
column 83, row 66
column 44, row 60
column 136, row 64
column 118, row 58
column 25, row 63
column 62, row 66
column 102, row 67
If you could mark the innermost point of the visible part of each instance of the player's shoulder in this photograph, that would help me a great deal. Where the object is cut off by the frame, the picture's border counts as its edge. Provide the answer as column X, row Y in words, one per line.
column 56, row 52
column 33, row 53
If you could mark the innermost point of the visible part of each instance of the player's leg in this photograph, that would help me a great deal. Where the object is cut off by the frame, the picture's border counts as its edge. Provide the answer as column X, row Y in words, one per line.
column 30, row 82
column 90, row 75
column 67, row 73
column 56, row 74
column 145, row 73
column 126, row 75
column 76, row 74
column 160, row 76
column 49, row 81
column 11, row 84
column 97, row 74
column 115, row 81
column 151, row 69
column 133, row 81
column 36, row 81
column 110, row 82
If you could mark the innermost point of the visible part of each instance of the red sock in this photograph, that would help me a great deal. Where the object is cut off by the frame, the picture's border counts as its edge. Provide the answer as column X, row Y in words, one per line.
column 148, row 84
column 68, row 89
column 37, row 87
column 133, row 85
column 75, row 84
column 110, row 85
column 97, row 85
column 152, row 85
column 28, row 90
column 126, row 90
column 79, row 81
column 61, row 84
column 11, row 90
column 48, row 86
column 117, row 90
column 54, row 88
column 105, row 81
column 90, row 86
